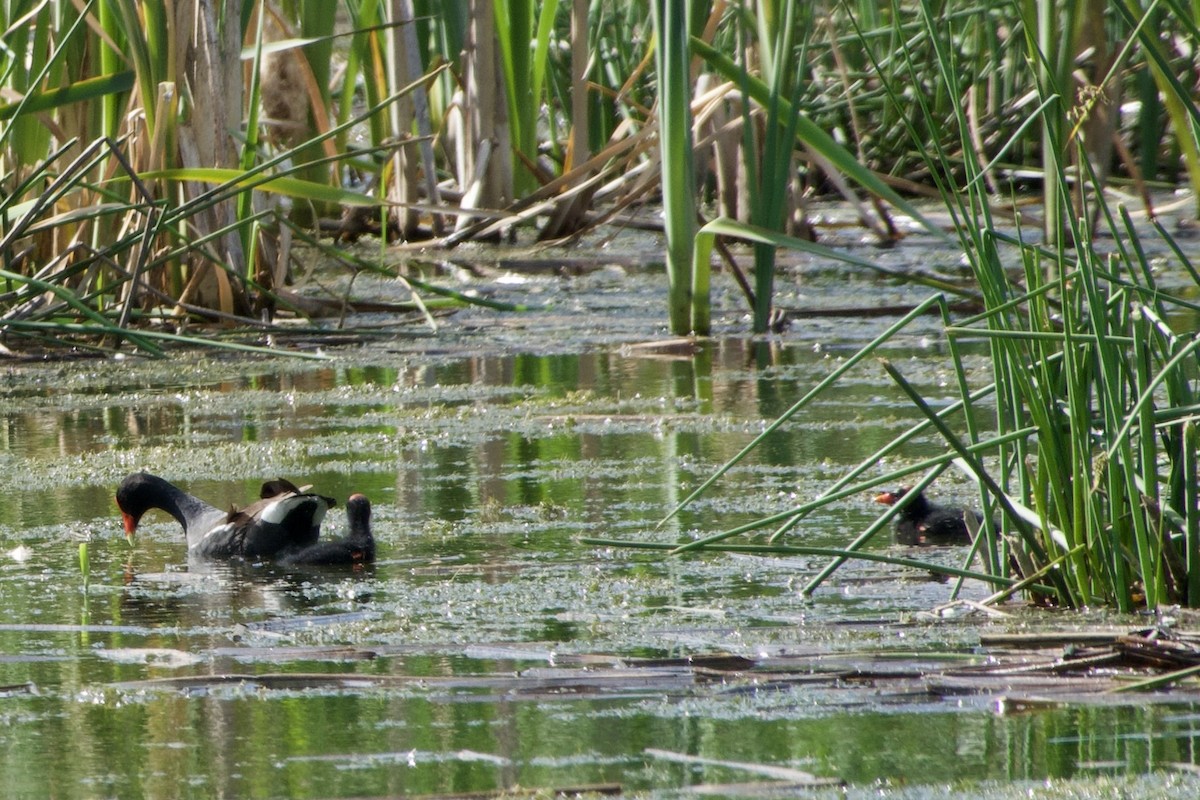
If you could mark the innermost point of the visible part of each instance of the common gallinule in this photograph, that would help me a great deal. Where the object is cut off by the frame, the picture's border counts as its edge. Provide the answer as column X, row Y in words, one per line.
column 285, row 517
column 357, row 548
column 922, row 522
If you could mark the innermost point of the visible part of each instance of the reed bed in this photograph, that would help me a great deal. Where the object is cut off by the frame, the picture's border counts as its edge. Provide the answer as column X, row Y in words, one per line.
column 209, row 125
column 1087, row 471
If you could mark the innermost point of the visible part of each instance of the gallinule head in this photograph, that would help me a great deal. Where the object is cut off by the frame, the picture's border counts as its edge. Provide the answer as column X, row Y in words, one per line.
column 283, row 517
column 922, row 522
column 357, row 548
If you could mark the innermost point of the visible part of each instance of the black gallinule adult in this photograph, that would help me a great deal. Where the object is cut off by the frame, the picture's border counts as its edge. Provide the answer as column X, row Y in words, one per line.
column 924, row 523
column 284, row 517
column 356, row 549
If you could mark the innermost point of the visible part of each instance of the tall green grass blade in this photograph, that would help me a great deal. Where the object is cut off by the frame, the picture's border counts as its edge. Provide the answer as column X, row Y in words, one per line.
column 723, row 226
column 804, row 550
column 80, row 91
column 541, row 48
column 296, row 188
column 245, row 205
column 317, row 26
column 1191, row 500
column 678, row 171
column 768, row 164
column 1159, row 682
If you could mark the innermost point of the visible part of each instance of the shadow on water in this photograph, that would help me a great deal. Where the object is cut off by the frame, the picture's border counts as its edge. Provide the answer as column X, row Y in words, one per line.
column 487, row 649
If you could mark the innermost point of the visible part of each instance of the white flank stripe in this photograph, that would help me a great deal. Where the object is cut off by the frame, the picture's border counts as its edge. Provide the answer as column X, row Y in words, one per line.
column 276, row 511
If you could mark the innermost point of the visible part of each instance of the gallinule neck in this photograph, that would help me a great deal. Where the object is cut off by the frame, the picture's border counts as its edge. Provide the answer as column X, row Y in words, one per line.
column 357, row 548
column 284, row 517
column 922, row 522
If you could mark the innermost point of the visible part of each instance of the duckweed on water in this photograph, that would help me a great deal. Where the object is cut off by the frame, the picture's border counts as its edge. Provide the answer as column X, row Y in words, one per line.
column 485, row 627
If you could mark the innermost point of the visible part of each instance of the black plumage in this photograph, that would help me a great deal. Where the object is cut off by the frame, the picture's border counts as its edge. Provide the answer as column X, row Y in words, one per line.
column 357, row 548
column 285, row 517
column 924, row 523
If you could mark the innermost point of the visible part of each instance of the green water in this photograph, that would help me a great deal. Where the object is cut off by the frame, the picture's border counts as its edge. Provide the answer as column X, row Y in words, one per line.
column 485, row 650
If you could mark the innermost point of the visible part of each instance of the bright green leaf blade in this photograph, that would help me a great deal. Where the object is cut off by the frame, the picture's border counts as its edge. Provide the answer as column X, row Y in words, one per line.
column 80, row 90
column 723, row 226
column 280, row 46
column 292, row 187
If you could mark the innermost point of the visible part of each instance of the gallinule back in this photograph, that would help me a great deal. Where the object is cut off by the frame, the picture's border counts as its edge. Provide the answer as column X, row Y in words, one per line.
column 922, row 522
column 357, row 548
column 284, row 517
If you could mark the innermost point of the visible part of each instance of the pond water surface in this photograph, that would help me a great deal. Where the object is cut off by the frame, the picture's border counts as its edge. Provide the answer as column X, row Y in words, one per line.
column 488, row 649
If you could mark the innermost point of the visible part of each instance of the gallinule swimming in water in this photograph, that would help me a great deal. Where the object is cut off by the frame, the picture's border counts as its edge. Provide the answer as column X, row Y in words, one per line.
column 284, row 517
column 357, row 548
column 922, row 522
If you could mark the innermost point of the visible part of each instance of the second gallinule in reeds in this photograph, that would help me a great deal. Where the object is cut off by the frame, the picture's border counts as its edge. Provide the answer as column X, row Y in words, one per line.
column 924, row 523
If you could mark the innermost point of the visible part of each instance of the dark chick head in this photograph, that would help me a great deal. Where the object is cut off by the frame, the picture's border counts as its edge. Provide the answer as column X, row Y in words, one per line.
column 358, row 512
